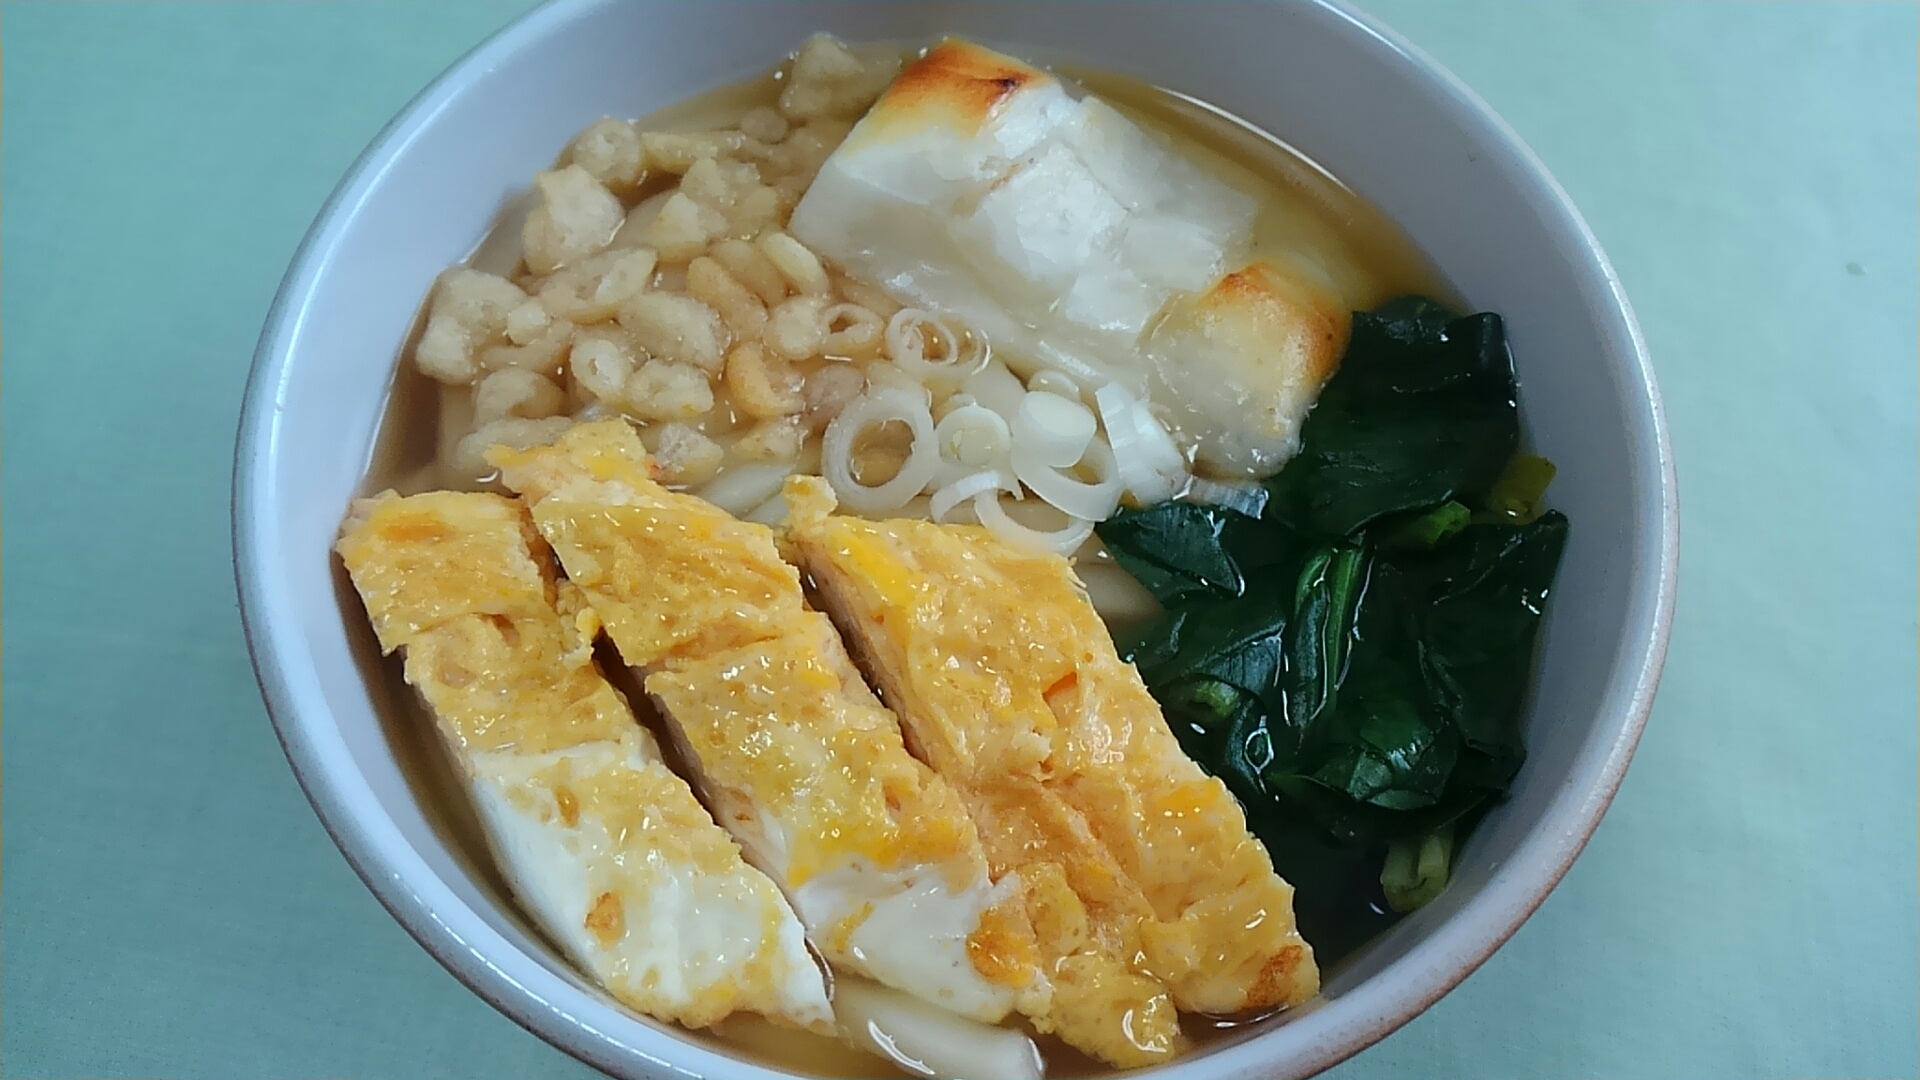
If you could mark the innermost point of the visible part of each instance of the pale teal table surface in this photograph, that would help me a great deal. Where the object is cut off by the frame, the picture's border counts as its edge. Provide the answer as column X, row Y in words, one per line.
column 172, row 909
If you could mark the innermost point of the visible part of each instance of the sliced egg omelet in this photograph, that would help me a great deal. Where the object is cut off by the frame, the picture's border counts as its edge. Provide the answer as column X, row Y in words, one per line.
column 796, row 756
column 603, row 845
column 1145, row 888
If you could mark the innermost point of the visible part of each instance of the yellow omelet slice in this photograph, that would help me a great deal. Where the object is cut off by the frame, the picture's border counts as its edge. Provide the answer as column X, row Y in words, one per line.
column 607, row 849
column 795, row 755
column 1144, row 884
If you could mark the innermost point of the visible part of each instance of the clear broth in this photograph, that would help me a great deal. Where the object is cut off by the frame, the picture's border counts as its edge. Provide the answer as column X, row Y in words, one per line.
column 1302, row 206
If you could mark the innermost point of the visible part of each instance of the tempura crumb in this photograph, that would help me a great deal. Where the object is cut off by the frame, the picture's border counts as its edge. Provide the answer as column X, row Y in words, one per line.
column 576, row 217
column 830, row 81
column 610, row 150
column 601, row 365
column 469, row 309
column 675, row 152
column 685, row 456
column 658, row 283
column 525, row 322
column 778, row 439
column 679, row 329
column 660, row 390
column 684, row 228
column 516, row 392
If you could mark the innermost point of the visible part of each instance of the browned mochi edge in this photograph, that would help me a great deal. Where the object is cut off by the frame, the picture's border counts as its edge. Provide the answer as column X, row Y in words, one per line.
column 957, row 84
column 1313, row 323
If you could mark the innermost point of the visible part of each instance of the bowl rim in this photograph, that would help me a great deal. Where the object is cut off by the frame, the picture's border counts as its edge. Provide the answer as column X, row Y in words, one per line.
column 1504, row 903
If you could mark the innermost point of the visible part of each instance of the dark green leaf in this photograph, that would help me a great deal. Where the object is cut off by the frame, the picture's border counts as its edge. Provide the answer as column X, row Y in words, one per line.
column 1416, row 320
column 1400, row 760
column 1418, row 413
column 1170, row 587
column 1365, row 824
column 1181, row 551
column 1150, row 646
column 1483, row 769
column 1235, row 641
column 1246, row 654
column 1223, row 728
column 1177, row 549
column 1387, row 745
column 1264, row 546
column 1490, row 588
column 1326, row 599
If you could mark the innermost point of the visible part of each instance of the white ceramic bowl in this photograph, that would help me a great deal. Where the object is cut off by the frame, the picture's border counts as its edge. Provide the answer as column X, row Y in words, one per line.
column 1343, row 89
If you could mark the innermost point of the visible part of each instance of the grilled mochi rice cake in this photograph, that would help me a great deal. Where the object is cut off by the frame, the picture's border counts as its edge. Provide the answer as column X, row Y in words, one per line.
column 604, row 846
column 793, row 752
column 980, row 187
column 1144, row 885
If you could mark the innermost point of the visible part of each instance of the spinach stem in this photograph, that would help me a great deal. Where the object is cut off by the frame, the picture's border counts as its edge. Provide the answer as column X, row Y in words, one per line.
column 1416, row 871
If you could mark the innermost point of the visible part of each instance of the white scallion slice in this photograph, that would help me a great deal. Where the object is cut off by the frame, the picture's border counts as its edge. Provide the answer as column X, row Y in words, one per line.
column 1247, row 496
column 1051, row 429
column 913, row 333
column 873, row 409
column 1126, row 415
column 1147, row 487
column 1093, row 501
column 965, row 488
column 951, row 402
column 1062, row 541
column 973, row 435
column 951, row 471
column 1150, row 465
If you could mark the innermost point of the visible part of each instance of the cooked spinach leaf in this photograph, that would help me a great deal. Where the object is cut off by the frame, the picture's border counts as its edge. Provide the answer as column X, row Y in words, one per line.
column 1177, row 549
column 1238, row 642
column 1488, row 590
column 1390, row 747
column 1215, row 668
column 1420, row 412
column 1353, row 664
column 1326, row 601
column 1222, row 727
column 1181, row 550
column 1392, row 682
